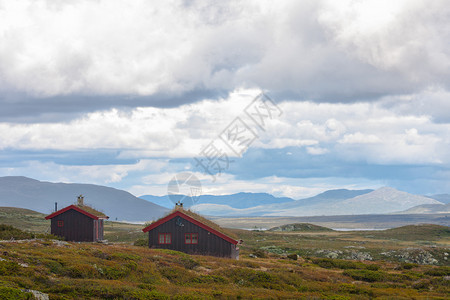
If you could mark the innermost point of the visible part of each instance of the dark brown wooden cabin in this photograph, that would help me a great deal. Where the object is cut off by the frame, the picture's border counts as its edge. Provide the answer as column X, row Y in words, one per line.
column 79, row 223
column 188, row 232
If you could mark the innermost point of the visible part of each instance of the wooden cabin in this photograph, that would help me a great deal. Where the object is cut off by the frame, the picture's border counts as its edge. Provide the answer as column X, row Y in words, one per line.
column 79, row 223
column 185, row 231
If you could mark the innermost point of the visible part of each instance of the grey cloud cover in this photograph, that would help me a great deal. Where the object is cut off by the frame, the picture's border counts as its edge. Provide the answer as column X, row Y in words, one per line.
column 63, row 57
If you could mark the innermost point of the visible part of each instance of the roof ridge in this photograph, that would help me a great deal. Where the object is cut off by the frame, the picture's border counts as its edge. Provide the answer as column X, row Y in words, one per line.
column 90, row 212
column 202, row 222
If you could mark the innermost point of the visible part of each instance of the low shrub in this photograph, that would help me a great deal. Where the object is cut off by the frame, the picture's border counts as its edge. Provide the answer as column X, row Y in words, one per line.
column 366, row 275
column 259, row 253
column 292, row 256
column 141, row 243
column 252, row 278
column 8, row 232
column 8, row 268
column 189, row 263
column 422, row 285
column 9, row 293
column 81, row 271
column 329, row 263
column 125, row 256
column 441, row 271
column 176, row 275
column 353, row 289
column 209, row 279
column 408, row 266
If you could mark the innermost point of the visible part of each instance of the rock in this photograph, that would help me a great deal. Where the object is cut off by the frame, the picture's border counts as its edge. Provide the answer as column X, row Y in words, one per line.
column 330, row 253
column 59, row 243
column 417, row 256
column 360, row 256
column 37, row 295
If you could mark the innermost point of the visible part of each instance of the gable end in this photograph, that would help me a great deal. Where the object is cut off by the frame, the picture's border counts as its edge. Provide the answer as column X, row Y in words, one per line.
column 193, row 221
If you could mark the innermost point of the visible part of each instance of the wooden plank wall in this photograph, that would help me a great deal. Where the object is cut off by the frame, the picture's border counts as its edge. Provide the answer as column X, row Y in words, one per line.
column 208, row 243
column 77, row 226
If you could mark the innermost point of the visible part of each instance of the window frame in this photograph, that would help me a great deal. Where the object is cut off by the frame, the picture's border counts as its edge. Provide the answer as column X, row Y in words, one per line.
column 188, row 238
column 167, row 238
column 60, row 223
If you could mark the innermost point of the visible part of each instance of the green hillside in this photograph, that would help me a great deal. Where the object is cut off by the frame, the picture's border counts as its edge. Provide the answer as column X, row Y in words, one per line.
column 425, row 232
column 308, row 262
column 94, row 271
column 24, row 219
column 304, row 227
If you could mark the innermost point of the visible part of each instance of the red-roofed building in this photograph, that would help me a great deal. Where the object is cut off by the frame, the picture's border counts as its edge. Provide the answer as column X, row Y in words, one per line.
column 78, row 223
column 187, row 232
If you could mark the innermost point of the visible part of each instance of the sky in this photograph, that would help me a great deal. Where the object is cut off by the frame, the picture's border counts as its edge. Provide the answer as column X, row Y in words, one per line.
column 128, row 94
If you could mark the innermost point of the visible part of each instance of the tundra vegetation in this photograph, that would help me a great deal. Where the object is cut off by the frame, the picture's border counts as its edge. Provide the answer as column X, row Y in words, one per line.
column 274, row 264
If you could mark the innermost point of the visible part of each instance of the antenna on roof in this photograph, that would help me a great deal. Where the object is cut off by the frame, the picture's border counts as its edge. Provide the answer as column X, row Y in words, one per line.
column 80, row 200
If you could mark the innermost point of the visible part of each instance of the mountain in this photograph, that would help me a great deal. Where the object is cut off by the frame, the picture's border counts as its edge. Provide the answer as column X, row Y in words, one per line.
column 304, row 207
column 444, row 198
column 383, row 200
column 238, row 200
column 429, row 209
column 163, row 201
column 41, row 196
column 331, row 196
column 335, row 202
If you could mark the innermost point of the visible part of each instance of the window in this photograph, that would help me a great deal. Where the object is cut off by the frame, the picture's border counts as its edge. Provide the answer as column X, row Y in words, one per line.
column 191, row 238
column 60, row 223
column 165, row 238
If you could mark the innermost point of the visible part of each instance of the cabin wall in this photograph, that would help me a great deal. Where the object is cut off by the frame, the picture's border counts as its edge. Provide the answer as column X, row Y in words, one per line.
column 208, row 243
column 98, row 230
column 76, row 226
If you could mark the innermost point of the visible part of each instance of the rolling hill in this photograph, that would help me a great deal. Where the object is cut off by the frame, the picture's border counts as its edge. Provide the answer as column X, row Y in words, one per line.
column 429, row 209
column 41, row 196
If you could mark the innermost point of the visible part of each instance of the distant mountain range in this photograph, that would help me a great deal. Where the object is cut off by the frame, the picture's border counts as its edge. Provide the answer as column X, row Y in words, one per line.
column 335, row 202
column 239, row 200
column 41, row 196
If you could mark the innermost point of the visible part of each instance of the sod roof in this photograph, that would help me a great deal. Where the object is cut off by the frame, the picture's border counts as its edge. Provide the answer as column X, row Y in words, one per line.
column 196, row 217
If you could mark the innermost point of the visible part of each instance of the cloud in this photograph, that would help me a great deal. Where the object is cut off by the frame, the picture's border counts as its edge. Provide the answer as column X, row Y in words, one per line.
column 76, row 57
column 369, row 132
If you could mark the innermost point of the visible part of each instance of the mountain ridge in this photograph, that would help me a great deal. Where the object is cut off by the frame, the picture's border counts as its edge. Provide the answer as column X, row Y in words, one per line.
column 24, row 192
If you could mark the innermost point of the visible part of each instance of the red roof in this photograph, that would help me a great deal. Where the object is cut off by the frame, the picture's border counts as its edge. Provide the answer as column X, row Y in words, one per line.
column 192, row 220
column 74, row 207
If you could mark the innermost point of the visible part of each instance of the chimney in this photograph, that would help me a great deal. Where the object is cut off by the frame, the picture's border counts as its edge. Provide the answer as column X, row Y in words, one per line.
column 179, row 205
column 80, row 200
column 56, row 206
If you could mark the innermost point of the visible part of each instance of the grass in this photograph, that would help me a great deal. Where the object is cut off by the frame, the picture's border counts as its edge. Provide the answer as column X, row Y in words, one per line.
column 120, row 270
column 24, row 219
column 8, row 232
column 83, row 270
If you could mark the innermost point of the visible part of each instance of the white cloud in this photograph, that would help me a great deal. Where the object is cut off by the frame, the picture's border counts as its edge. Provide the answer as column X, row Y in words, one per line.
column 361, row 131
column 359, row 138
column 322, row 49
